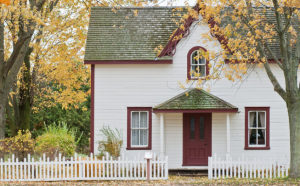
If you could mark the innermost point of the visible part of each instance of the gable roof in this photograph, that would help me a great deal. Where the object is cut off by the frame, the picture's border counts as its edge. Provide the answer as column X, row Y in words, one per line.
column 168, row 50
column 120, row 35
column 196, row 99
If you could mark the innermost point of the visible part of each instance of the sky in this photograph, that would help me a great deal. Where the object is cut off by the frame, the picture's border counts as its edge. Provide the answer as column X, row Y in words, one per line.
column 176, row 2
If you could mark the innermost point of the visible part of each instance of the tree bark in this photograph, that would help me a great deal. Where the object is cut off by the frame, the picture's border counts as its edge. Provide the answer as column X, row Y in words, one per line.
column 2, row 117
column 25, row 95
column 294, row 122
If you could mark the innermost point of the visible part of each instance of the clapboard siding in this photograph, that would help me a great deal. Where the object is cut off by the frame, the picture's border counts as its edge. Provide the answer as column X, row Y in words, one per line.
column 120, row 86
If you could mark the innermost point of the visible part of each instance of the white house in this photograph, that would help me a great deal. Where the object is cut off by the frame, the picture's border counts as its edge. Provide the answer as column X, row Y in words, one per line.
column 138, row 93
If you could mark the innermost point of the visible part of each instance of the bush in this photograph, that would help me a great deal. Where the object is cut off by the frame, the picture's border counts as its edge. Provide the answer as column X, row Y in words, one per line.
column 76, row 118
column 112, row 142
column 19, row 145
column 56, row 139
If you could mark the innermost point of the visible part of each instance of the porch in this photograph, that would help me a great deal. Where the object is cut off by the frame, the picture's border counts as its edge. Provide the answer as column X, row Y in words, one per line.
column 188, row 128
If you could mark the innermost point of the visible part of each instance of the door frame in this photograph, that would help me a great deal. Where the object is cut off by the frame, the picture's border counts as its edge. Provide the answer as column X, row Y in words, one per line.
column 184, row 121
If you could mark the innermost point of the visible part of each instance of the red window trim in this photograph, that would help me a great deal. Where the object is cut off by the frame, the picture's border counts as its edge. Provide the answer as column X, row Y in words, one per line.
column 129, row 110
column 189, row 62
column 267, row 109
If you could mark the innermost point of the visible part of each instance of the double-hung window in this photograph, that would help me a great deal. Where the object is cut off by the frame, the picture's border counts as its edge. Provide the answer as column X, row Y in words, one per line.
column 257, row 128
column 139, row 128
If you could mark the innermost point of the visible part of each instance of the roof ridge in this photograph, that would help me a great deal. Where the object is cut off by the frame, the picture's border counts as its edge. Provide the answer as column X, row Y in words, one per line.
column 173, row 98
column 197, row 91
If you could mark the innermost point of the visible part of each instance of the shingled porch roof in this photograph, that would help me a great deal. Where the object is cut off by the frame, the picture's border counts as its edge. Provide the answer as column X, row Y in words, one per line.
column 193, row 101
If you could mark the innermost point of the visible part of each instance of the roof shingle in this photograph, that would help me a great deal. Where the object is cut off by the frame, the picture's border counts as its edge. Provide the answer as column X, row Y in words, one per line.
column 195, row 99
column 121, row 35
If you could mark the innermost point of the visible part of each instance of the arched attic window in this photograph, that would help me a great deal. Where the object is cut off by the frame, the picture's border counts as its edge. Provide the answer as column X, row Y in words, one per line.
column 197, row 64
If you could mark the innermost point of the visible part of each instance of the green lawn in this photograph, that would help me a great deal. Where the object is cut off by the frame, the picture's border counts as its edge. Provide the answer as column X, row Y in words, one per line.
column 174, row 180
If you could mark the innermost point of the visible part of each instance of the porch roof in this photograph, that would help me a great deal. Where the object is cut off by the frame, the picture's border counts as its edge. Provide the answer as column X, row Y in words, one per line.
column 195, row 100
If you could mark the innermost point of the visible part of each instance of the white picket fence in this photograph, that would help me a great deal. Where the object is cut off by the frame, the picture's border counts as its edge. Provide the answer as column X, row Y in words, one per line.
column 78, row 168
column 247, row 167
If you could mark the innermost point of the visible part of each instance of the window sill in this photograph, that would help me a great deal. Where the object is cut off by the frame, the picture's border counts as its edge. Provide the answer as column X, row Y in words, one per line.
column 257, row 148
column 200, row 78
column 138, row 148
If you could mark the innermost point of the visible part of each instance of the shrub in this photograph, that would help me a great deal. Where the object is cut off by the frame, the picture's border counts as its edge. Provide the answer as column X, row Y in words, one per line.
column 112, row 142
column 56, row 139
column 19, row 145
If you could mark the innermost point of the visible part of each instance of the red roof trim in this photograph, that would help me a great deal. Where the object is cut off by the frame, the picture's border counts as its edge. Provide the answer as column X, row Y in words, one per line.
column 170, row 48
column 194, row 110
column 120, row 62
column 227, row 61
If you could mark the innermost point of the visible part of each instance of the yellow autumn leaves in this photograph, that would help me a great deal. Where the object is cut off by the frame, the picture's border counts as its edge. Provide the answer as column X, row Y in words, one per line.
column 6, row 2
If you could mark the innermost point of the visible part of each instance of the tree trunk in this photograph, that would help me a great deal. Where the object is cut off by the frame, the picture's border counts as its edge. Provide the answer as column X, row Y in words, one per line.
column 25, row 95
column 2, row 117
column 294, row 122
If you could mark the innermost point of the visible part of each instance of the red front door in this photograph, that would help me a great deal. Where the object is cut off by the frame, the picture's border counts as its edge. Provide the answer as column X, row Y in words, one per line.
column 196, row 139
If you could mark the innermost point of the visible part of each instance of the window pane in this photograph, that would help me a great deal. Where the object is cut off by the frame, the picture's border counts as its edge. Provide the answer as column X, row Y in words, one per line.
column 134, row 137
column 252, row 119
column 202, row 70
column 144, row 120
column 202, row 60
column 194, row 57
column 193, row 71
column 261, row 134
column 261, row 119
column 144, row 137
column 192, row 128
column 135, row 120
column 252, row 136
column 201, row 127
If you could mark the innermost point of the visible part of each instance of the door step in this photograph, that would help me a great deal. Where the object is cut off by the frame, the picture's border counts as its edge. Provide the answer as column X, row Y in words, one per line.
column 189, row 173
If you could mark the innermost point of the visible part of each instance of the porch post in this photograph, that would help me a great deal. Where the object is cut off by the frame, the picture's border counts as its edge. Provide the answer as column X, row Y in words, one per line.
column 228, row 132
column 162, row 127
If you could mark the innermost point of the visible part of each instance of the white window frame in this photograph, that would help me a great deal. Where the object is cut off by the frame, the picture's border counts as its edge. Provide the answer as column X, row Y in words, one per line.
column 251, row 128
column 197, row 66
column 131, row 129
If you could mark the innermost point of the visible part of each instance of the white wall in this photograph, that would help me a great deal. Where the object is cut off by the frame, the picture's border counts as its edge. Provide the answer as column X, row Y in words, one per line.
column 120, row 86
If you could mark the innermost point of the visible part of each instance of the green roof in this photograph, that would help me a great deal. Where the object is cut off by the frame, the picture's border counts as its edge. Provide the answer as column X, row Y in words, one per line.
column 120, row 35
column 195, row 99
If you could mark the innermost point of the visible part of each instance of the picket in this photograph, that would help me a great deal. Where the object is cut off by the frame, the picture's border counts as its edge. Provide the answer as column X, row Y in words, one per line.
column 78, row 168
column 245, row 167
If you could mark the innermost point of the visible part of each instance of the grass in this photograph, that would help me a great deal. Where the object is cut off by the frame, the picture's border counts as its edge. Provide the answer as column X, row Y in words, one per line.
column 173, row 180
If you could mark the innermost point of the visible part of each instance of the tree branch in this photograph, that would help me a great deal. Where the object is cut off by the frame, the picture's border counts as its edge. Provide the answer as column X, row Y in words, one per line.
column 17, row 64
column 273, row 79
column 276, row 85
column 15, row 54
column 278, row 17
column 273, row 56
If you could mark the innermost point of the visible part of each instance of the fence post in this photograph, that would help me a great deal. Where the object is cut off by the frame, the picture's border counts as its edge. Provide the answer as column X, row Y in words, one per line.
column 148, row 156
column 167, row 167
column 209, row 168
column 79, row 167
